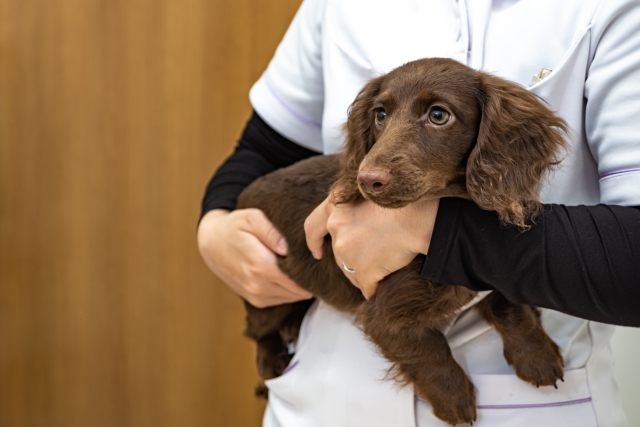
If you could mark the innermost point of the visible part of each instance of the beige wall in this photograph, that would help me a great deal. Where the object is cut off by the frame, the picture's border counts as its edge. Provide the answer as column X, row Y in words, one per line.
column 113, row 115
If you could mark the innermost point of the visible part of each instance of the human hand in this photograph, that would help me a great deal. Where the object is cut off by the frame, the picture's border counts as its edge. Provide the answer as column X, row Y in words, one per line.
column 240, row 247
column 371, row 240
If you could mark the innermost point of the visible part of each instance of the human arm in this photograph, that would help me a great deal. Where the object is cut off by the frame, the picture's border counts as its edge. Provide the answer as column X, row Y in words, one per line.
column 260, row 150
column 580, row 260
column 240, row 246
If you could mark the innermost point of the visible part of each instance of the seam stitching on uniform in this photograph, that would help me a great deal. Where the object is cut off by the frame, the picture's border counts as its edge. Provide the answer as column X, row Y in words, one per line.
column 531, row 405
column 537, row 405
column 586, row 369
column 290, row 367
column 288, row 107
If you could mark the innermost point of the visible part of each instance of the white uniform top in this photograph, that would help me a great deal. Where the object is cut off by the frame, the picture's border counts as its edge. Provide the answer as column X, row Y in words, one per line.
column 331, row 49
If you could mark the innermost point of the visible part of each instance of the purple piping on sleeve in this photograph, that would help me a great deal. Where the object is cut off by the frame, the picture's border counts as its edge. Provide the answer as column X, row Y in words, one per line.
column 619, row 172
column 531, row 405
column 290, row 367
column 290, row 109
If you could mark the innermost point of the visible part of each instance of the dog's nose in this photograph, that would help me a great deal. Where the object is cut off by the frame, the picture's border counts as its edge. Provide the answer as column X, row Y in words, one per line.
column 373, row 181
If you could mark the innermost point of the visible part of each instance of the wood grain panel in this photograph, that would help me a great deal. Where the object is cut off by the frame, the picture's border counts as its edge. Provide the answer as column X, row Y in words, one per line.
column 113, row 115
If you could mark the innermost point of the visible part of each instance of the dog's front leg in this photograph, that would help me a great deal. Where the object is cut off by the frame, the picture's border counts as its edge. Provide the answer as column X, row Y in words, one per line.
column 527, row 347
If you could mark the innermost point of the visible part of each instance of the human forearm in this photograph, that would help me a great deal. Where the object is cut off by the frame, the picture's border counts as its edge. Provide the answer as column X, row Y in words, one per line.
column 240, row 247
column 581, row 260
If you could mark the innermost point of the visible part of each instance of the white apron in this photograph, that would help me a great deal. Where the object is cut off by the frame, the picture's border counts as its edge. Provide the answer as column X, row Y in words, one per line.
column 337, row 379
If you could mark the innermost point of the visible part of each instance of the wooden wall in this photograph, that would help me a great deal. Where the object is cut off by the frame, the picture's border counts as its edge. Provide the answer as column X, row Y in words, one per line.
column 113, row 115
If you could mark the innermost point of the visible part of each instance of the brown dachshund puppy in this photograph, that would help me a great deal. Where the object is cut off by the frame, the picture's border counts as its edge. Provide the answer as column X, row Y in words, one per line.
column 431, row 128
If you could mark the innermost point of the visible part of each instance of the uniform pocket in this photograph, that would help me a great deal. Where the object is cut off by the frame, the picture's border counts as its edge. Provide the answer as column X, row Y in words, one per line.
column 574, row 63
column 506, row 400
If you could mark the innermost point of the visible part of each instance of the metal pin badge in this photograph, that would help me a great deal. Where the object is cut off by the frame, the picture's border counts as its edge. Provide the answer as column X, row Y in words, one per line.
column 537, row 78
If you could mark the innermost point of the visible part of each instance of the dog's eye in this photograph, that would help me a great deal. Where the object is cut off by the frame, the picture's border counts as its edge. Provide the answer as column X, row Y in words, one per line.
column 380, row 116
column 438, row 116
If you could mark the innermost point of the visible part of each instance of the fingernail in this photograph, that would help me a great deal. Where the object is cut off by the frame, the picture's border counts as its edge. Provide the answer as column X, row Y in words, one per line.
column 282, row 245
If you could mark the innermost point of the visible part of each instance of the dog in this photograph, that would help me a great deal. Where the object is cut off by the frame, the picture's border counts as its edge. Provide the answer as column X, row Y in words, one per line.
column 431, row 128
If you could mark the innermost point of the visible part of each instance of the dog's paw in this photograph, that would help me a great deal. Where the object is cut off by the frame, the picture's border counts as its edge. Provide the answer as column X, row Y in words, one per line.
column 456, row 402
column 538, row 363
column 457, row 411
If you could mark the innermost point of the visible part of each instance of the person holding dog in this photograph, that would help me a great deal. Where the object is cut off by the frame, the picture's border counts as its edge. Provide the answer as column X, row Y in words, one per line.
column 580, row 258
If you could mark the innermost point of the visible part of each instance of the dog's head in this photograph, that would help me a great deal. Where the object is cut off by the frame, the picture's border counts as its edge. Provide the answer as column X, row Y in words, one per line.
column 435, row 128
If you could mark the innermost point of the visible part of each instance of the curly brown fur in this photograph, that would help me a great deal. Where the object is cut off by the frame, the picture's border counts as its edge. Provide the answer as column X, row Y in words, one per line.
column 494, row 149
column 518, row 141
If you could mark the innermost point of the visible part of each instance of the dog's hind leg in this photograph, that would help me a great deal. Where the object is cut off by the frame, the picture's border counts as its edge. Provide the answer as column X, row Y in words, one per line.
column 273, row 328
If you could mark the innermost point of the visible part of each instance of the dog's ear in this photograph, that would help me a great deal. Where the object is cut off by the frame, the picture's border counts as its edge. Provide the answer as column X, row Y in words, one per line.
column 359, row 140
column 518, row 140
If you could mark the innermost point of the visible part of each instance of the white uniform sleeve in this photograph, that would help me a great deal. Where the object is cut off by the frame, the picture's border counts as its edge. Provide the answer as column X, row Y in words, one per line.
column 612, row 90
column 290, row 94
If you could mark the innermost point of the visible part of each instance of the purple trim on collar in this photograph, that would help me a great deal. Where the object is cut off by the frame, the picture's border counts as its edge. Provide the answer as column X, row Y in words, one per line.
column 529, row 405
column 537, row 405
column 290, row 367
column 619, row 172
column 296, row 114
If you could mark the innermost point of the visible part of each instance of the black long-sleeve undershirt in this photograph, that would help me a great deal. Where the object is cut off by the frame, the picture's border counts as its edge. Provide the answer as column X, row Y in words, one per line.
column 580, row 260
column 260, row 150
